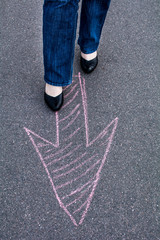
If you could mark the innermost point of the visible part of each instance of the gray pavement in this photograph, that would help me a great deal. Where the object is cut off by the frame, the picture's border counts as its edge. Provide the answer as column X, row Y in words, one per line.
column 125, row 86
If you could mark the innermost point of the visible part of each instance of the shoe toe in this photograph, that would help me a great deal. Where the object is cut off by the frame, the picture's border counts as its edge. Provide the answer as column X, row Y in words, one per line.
column 55, row 103
column 89, row 66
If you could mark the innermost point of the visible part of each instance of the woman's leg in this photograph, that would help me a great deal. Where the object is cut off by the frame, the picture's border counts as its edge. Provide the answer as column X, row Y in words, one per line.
column 59, row 33
column 93, row 14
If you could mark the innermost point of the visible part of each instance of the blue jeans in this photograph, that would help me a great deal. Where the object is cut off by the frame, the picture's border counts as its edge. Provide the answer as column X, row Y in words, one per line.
column 59, row 34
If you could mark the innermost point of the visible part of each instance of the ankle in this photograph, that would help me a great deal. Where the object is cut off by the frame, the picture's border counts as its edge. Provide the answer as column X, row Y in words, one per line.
column 53, row 91
column 89, row 56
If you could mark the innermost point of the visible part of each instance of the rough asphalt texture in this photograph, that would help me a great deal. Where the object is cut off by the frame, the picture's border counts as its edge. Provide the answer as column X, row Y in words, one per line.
column 124, row 85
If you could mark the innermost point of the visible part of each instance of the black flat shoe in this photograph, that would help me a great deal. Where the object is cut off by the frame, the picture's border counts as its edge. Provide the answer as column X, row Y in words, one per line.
column 55, row 103
column 89, row 66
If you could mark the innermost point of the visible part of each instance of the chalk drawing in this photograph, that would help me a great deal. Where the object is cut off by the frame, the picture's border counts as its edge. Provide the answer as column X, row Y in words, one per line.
column 74, row 162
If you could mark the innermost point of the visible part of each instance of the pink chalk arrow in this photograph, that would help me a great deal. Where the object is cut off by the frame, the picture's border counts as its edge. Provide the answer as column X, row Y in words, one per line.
column 74, row 163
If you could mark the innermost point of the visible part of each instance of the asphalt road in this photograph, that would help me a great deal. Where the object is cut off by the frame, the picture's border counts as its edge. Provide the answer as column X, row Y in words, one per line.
column 113, row 141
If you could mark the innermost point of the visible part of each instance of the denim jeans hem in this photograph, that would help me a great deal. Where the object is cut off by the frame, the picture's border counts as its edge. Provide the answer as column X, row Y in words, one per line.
column 57, row 83
column 85, row 50
column 88, row 51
